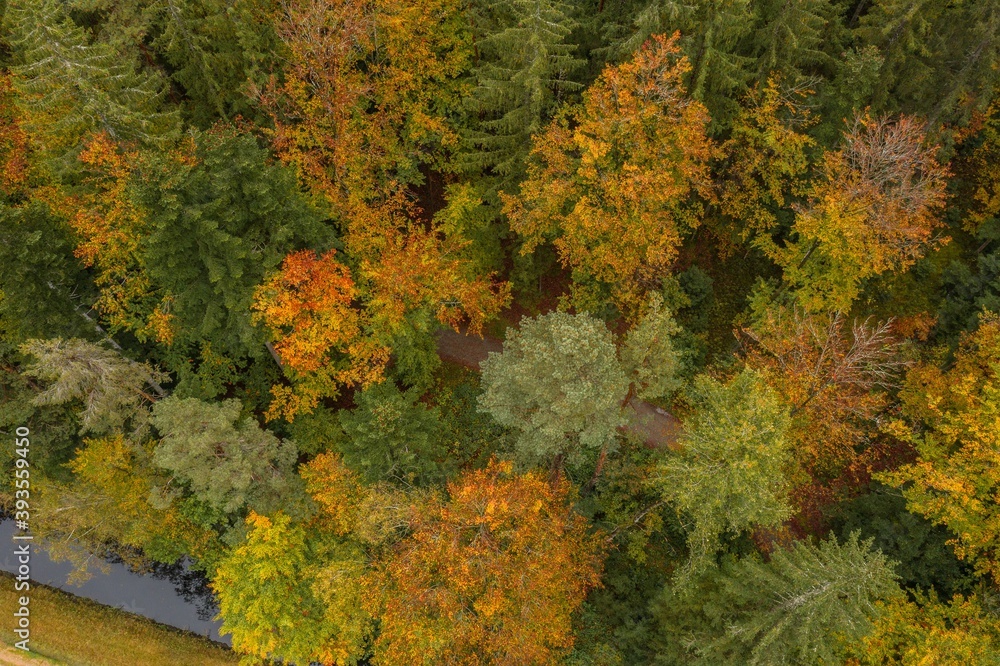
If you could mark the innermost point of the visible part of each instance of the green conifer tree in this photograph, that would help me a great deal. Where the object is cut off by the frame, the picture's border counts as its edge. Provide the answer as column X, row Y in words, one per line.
column 390, row 435
column 525, row 63
column 216, row 51
column 71, row 87
column 220, row 224
column 711, row 34
column 226, row 461
column 115, row 391
column 792, row 38
column 939, row 59
column 803, row 606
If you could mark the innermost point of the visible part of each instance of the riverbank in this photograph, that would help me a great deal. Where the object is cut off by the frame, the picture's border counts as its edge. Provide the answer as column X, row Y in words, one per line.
column 67, row 629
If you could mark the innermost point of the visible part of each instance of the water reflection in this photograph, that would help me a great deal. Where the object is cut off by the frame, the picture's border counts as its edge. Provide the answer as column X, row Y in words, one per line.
column 171, row 594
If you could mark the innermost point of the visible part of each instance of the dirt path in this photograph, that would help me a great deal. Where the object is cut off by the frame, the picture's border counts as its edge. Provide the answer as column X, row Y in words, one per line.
column 655, row 426
column 12, row 657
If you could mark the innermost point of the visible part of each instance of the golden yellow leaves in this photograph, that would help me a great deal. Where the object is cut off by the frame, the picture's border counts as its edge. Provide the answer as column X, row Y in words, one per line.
column 613, row 184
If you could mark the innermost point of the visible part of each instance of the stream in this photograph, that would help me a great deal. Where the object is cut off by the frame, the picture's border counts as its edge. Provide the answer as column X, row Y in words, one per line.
column 172, row 595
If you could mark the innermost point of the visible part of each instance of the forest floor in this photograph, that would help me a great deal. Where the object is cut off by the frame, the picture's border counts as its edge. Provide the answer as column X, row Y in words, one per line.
column 655, row 426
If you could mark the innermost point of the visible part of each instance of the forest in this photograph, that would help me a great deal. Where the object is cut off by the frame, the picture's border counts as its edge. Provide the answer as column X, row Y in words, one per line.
column 735, row 264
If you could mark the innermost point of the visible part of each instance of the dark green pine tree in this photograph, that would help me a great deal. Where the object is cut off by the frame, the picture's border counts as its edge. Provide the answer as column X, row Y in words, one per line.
column 792, row 38
column 71, row 87
column 940, row 59
column 219, row 227
column 712, row 32
column 44, row 291
column 216, row 50
column 802, row 606
column 524, row 69
column 392, row 436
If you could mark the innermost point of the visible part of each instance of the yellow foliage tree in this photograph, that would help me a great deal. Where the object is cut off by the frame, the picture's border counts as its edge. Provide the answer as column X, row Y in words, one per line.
column 959, row 633
column 873, row 210
column 956, row 478
column 614, row 183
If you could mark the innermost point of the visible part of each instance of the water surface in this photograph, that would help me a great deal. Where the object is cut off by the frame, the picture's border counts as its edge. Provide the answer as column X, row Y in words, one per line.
column 172, row 595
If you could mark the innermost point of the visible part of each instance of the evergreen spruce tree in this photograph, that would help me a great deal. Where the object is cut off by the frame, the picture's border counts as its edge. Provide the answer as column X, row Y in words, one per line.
column 71, row 87
column 523, row 74
column 392, row 436
column 939, row 59
column 43, row 289
column 711, row 34
column 788, row 38
column 216, row 50
column 802, row 606
column 220, row 224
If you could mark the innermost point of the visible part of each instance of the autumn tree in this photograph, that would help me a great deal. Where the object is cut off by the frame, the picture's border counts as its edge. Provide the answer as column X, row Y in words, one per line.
column 271, row 600
column 115, row 391
column 365, row 93
column 225, row 460
column 955, row 477
column 614, row 183
column 929, row 631
column 729, row 472
column 106, row 509
column 874, row 210
column 301, row 591
column 361, row 108
column 559, row 384
column 984, row 165
column 491, row 575
column 764, row 166
column 110, row 227
column 803, row 605
column 308, row 307
column 833, row 375
column 14, row 151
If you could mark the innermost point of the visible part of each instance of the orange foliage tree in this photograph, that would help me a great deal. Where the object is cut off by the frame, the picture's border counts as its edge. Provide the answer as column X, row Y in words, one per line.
column 833, row 376
column 366, row 94
column 111, row 228
column 984, row 168
column 491, row 576
column 955, row 480
column 874, row 210
column 309, row 304
column 13, row 141
column 613, row 183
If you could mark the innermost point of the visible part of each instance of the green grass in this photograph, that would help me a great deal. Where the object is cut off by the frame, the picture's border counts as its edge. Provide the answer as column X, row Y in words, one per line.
column 75, row 631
